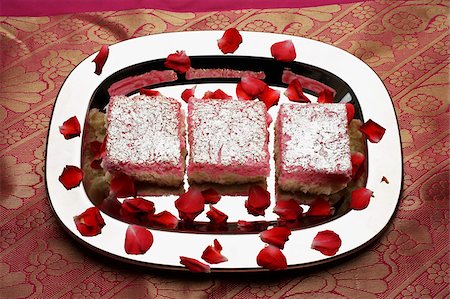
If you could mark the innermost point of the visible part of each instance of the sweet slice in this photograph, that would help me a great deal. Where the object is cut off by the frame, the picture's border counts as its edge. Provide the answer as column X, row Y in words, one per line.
column 312, row 148
column 228, row 141
column 145, row 139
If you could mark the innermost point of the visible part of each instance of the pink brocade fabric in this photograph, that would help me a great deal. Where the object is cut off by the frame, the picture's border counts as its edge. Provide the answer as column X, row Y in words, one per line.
column 405, row 42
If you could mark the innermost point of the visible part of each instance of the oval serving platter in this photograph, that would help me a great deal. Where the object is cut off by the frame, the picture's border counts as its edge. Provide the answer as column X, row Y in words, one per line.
column 353, row 82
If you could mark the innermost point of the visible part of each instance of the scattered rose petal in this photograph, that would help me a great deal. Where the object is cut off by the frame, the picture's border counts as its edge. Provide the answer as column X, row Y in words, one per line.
column 294, row 92
column 137, row 208
column 100, row 59
column 373, row 131
column 138, row 240
column 230, row 41
column 241, row 94
column 110, row 205
column 211, row 196
column 216, row 216
column 188, row 93
column 283, row 51
column 122, row 185
column 71, row 177
column 276, row 236
column 95, row 147
column 194, row 265
column 357, row 160
column 270, row 97
column 190, row 204
column 70, row 128
column 258, row 201
column 350, row 111
column 149, row 92
column 360, row 198
column 252, row 86
column 319, row 207
column 178, row 62
column 327, row 242
column 288, row 209
column 213, row 255
column 90, row 222
column 384, row 179
column 271, row 257
column 218, row 94
column 163, row 219
column 325, row 96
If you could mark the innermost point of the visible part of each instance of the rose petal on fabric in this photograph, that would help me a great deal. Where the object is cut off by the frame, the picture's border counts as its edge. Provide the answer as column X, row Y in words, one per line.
column 350, row 111
column 70, row 128
column 211, row 196
column 357, row 160
column 218, row 94
column 138, row 239
column 122, row 185
column 100, row 59
column 373, row 131
column 288, row 209
column 149, row 92
column 283, row 51
column 188, row 93
column 190, row 204
column 325, row 96
column 71, row 177
column 276, row 236
column 319, row 207
column 384, row 179
column 360, row 198
column 252, row 86
column 216, row 216
column 258, row 200
column 90, row 222
column 178, row 62
column 194, row 265
column 241, row 94
column 163, row 219
column 270, row 97
column 294, row 92
column 213, row 255
column 230, row 41
column 137, row 208
column 271, row 257
column 327, row 242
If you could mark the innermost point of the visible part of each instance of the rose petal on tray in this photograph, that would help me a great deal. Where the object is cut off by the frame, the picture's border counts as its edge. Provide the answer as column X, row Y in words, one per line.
column 178, row 62
column 350, row 111
column 319, row 207
column 270, row 97
column 71, row 177
column 357, row 160
column 294, row 92
column 218, row 94
column 276, row 236
column 230, row 41
column 70, row 128
column 252, row 86
column 163, row 219
column 360, row 198
column 188, row 93
column 258, row 201
column 194, row 265
column 283, row 51
column 213, row 255
column 288, row 209
column 138, row 239
column 325, row 96
column 100, row 59
column 216, row 216
column 190, row 204
column 327, row 242
column 149, row 92
column 373, row 131
column 211, row 196
column 90, row 222
column 271, row 257
column 122, row 186
column 137, row 208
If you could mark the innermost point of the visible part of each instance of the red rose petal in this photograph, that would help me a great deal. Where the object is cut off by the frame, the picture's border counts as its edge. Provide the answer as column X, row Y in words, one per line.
column 216, row 216
column 218, row 94
column 252, row 86
column 357, row 160
column 270, row 97
column 384, row 179
column 258, row 201
column 294, row 92
column 283, row 51
column 212, row 254
column 325, row 96
column 190, row 204
column 271, row 257
column 350, row 111
column 241, row 94
column 276, row 236
column 211, row 196
column 138, row 240
column 288, row 209
column 188, row 93
column 100, row 59
column 90, row 222
column 194, row 265
column 319, row 207
column 230, row 41
column 110, row 205
column 149, row 92
column 178, row 62
column 95, row 147
column 71, row 177
column 137, row 208
column 122, row 186
column 163, row 219
column 373, row 131
column 70, row 128
column 327, row 242
column 360, row 198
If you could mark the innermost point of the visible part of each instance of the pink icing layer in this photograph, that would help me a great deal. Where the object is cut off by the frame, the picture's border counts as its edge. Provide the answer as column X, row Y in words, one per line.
column 131, row 84
column 306, row 82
